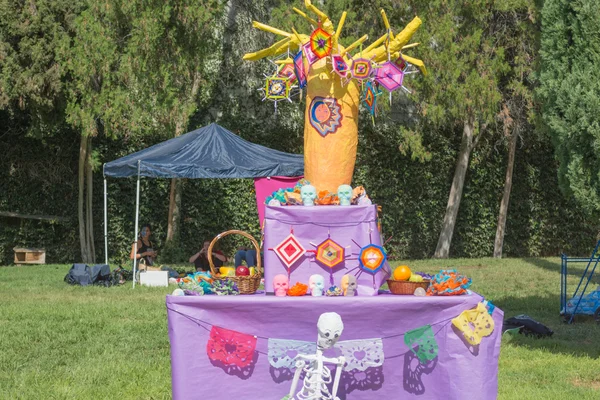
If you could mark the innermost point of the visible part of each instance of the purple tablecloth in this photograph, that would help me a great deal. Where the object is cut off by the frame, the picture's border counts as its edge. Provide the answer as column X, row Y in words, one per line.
column 351, row 227
column 460, row 371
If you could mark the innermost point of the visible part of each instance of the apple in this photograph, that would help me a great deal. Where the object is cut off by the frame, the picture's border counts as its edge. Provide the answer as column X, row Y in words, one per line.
column 242, row 271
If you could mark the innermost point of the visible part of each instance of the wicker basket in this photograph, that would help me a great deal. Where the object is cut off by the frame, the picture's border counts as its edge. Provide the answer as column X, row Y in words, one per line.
column 406, row 287
column 246, row 284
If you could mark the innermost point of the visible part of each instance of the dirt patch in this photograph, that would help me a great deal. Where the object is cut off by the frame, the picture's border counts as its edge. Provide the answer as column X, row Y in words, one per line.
column 593, row 384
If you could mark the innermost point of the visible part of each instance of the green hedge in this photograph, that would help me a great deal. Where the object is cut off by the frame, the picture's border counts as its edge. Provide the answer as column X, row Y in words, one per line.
column 40, row 177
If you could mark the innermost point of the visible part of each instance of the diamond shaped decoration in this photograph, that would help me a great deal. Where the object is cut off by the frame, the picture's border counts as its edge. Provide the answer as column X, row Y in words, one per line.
column 361, row 68
column 340, row 66
column 330, row 254
column 289, row 250
column 400, row 63
column 389, row 76
column 311, row 57
column 277, row 88
column 372, row 258
column 287, row 71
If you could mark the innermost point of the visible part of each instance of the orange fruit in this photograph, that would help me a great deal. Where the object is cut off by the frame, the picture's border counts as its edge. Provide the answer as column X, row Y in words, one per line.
column 402, row 273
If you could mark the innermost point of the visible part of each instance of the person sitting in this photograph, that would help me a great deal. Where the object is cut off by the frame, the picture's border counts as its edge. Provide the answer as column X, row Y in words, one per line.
column 200, row 259
column 245, row 254
column 146, row 254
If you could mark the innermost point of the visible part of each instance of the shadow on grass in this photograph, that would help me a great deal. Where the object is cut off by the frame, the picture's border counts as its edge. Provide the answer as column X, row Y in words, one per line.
column 577, row 339
column 573, row 269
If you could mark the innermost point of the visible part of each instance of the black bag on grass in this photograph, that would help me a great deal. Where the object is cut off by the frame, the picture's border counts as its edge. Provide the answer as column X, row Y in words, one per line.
column 79, row 274
column 82, row 274
column 101, row 274
column 527, row 326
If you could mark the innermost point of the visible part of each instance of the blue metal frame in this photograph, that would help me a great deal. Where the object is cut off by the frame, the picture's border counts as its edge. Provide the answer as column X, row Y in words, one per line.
column 594, row 259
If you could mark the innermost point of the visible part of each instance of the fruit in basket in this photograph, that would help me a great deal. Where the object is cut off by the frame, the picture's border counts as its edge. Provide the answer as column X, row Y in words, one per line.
column 415, row 278
column 227, row 271
column 242, row 270
column 402, row 273
column 252, row 270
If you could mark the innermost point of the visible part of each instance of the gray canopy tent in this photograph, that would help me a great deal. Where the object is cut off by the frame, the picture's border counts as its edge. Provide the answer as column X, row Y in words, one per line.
column 208, row 152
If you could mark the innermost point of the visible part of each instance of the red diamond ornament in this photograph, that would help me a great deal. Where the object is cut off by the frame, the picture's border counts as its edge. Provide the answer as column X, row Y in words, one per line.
column 289, row 250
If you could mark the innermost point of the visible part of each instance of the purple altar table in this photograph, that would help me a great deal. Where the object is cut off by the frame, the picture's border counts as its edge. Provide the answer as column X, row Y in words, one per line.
column 351, row 227
column 459, row 371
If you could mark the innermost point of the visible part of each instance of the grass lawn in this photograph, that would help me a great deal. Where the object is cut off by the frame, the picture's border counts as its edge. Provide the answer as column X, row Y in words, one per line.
column 63, row 342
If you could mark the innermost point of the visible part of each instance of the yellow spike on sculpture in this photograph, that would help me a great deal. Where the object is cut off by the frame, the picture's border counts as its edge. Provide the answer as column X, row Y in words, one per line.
column 331, row 116
column 306, row 17
column 387, row 23
column 336, row 36
column 354, row 45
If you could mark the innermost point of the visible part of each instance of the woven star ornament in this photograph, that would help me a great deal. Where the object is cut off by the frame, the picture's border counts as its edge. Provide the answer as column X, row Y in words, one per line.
column 320, row 43
column 424, row 338
column 475, row 324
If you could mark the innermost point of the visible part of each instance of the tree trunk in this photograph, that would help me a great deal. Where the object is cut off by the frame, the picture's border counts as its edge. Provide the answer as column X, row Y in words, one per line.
column 466, row 147
column 83, row 148
column 174, row 209
column 176, row 184
column 89, row 207
column 499, row 242
column 175, row 199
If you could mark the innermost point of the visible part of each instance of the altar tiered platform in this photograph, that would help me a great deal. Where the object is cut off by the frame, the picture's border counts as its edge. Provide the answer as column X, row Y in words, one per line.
column 459, row 371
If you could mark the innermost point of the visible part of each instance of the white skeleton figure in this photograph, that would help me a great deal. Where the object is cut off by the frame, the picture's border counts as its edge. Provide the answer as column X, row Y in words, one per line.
column 317, row 375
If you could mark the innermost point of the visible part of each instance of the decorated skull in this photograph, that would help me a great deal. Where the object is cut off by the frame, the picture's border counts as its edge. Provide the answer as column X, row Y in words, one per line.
column 348, row 285
column 316, row 284
column 309, row 194
column 345, row 194
column 281, row 284
column 330, row 327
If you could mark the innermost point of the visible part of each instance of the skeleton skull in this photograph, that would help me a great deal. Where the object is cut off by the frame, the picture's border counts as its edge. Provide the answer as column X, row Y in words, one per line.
column 309, row 194
column 274, row 202
column 330, row 327
column 345, row 194
column 281, row 285
column 316, row 284
column 348, row 285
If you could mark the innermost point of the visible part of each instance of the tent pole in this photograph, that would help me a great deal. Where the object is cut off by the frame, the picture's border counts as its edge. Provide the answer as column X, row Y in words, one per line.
column 105, row 225
column 137, row 215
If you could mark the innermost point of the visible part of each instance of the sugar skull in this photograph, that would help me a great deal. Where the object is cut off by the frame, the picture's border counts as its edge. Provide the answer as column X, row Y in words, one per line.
column 316, row 284
column 330, row 327
column 345, row 194
column 309, row 194
column 281, row 284
column 348, row 285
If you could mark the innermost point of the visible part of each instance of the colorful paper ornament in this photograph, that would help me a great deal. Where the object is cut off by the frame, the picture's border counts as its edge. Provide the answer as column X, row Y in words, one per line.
column 424, row 338
column 330, row 254
column 389, row 76
column 475, row 324
column 311, row 57
column 370, row 98
column 340, row 66
column 372, row 258
column 325, row 115
column 277, row 88
column 320, row 43
column 282, row 352
column 230, row 347
column 361, row 68
column 287, row 71
column 289, row 250
column 299, row 70
column 361, row 354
